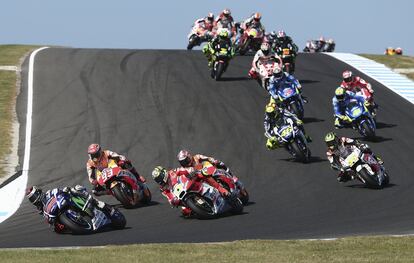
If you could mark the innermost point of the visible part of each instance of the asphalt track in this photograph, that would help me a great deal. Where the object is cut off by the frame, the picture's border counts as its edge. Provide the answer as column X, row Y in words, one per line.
column 148, row 104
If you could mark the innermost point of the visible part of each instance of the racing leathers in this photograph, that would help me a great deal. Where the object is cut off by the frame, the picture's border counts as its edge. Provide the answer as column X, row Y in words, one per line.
column 360, row 86
column 251, row 23
column 226, row 22
column 343, row 149
column 276, row 83
column 78, row 190
column 173, row 175
column 339, row 107
column 277, row 120
column 206, row 25
column 260, row 57
column 286, row 43
column 93, row 167
column 215, row 45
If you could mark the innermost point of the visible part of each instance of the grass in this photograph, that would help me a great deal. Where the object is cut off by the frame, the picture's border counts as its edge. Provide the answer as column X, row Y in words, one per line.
column 9, row 56
column 360, row 249
column 394, row 62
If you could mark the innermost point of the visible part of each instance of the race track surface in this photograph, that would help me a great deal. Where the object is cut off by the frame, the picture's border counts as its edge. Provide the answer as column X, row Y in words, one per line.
column 149, row 104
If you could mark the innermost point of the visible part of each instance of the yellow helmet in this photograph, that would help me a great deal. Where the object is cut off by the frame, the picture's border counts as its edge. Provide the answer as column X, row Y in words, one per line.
column 340, row 93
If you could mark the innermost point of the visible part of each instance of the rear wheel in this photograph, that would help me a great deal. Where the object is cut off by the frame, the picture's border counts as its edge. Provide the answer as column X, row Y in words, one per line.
column 123, row 194
column 202, row 207
column 77, row 222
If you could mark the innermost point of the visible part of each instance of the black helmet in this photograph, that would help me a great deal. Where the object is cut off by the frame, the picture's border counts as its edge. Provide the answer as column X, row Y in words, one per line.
column 34, row 194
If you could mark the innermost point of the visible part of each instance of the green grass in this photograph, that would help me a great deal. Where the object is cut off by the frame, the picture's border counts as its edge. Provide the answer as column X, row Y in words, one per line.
column 9, row 56
column 361, row 249
column 394, row 62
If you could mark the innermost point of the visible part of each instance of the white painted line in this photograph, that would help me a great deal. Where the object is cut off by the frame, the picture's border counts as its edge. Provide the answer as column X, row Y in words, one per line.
column 13, row 193
column 9, row 68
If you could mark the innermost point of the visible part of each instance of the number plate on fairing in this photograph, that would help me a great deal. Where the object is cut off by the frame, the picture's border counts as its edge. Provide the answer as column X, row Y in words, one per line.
column 352, row 159
column 99, row 219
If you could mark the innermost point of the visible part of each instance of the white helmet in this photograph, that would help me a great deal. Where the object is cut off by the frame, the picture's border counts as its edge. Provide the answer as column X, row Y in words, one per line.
column 277, row 72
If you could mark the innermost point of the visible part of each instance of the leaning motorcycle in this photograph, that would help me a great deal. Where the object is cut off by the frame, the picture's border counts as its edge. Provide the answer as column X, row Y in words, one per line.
column 360, row 119
column 226, row 180
column 80, row 215
column 197, row 36
column 365, row 167
column 221, row 62
column 251, row 38
column 124, row 185
column 289, row 98
column 294, row 141
column 266, row 69
column 204, row 200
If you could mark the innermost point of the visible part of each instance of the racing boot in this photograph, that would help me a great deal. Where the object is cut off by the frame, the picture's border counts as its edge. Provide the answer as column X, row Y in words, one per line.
column 344, row 177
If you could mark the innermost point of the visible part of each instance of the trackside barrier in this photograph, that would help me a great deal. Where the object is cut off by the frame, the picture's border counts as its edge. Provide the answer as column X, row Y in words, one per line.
column 399, row 84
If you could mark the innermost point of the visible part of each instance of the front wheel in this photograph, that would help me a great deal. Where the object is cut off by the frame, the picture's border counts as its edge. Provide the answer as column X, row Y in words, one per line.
column 299, row 154
column 219, row 70
column 202, row 207
column 367, row 130
column 369, row 180
column 123, row 194
column 294, row 108
column 193, row 41
column 118, row 220
column 245, row 47
column 78, row 223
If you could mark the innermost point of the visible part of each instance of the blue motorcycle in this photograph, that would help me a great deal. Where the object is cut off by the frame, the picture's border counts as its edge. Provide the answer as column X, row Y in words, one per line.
column 361, row 119
column 289, row 98
column 80, row 215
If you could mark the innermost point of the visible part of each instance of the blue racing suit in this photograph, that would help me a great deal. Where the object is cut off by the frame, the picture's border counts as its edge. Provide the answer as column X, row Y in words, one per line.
column 340, row 106
column 276, row 84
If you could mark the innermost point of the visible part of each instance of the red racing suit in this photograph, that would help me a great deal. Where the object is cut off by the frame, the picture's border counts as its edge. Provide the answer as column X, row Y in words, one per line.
column 225, row 22
column 359, row 85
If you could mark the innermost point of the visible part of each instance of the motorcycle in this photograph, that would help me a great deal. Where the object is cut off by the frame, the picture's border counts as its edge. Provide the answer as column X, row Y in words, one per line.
column 221, row 62
column 290, row 98
column 369, row 98
column 204, row 200
column 197, row 36
column 364, row 167
column 123, row 185
column 294, row 141
column 313, row 46
column 251, row 38
column 226, row 180
column 288, row 58
column 266, row 68
column 360, row 119
column 80, row 215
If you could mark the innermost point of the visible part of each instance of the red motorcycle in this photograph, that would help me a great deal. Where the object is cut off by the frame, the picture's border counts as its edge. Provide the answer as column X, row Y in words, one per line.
column 123, row 185
column 204, row 200
column 251, row 38
column 197, row 36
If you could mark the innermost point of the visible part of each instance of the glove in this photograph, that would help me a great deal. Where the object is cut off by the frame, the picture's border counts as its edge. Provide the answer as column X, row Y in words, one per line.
column 299, row 122
column 366, row 103
column 223, row 191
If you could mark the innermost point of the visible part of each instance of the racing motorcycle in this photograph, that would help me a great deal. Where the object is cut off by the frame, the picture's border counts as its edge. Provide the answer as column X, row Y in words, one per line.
column 364, row 167
column 360, row 119
column 313, row 46
column 197, row 36
column 80, row 215
column 266, row 68
column 226, row 180
column 288, row 58
column 251, row 38
column 290, row 98
column 123, row 185
column 204, row 200
column 294, row 141
column 221, row 62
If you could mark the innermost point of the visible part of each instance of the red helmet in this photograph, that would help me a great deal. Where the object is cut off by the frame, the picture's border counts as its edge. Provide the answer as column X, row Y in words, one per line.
column 257, row 17
column 95, row 152
column 226, row 12
column 347, row 76
column 210, row 16
column 185, row 158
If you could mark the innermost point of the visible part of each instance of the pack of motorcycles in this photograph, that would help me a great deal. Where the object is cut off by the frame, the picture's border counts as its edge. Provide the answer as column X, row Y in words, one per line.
column 80, row 215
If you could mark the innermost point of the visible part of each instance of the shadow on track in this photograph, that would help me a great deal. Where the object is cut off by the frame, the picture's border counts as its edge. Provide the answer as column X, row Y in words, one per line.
column 381, row 125
column 311, row 119
column 308, row 81
column 362, row 186
column 376, row 139
column 312, row 159
column 235, row 78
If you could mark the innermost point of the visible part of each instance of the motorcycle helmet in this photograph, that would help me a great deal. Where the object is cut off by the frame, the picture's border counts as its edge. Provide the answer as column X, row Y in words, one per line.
column 95, row 152
column 159, row 174
column 184, row 158
column 210, row 17
column 273, row 34
column 34, row 194
column 265, row 48
column 340, row 93
column 257, row 17
column 347, row 76
column 223, row 34
column 281, row 34
column 322, row 39
column 226, row 12
column 277, row 73
column 331, row 140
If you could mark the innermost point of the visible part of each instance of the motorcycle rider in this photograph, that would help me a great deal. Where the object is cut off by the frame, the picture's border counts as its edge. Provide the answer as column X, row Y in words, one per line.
column 340, row 101
column 355, row 84
column 320, row 44
column 99, row 160
column 40, row 199
column 187, row 160
column 207, row 23
column 282, row 40
column 252, row 22
column 226, row 21
column 168, row 179
column 277, row 117
column 262, row 55
column 337, row 147
column 278, row 79
column 222, row 40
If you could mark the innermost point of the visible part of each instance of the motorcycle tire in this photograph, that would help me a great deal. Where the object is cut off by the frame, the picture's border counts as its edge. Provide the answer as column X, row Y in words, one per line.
column 299, row 154
column 295, row 109
column 245, row 47
column 192, row 42
column 75, row 227
column 367, row 131
column 219, row 71
column 147, row 198
column 119, row 221
column 386, row 179
column 200, row 211
column 121, row 195
column 370, row 181
column 236, row 204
